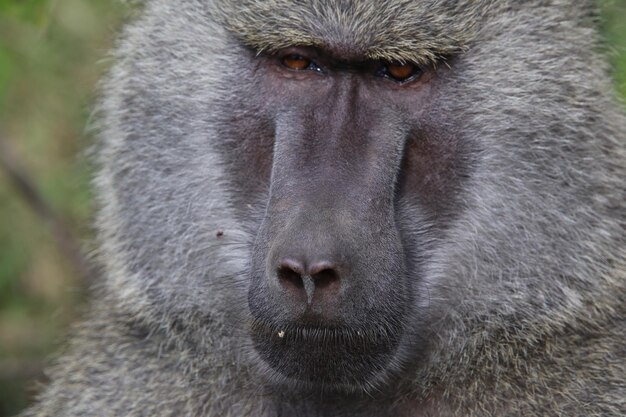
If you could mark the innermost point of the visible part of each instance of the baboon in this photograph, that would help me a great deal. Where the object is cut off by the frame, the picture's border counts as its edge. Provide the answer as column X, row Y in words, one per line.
column 355, row 208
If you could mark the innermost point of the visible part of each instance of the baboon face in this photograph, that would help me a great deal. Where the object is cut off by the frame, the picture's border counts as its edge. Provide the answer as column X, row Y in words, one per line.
column 331, row 268
column 345, row 161
column 344, row 186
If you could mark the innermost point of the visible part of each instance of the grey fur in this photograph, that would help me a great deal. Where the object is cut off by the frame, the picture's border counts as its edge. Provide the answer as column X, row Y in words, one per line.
column 525, row 289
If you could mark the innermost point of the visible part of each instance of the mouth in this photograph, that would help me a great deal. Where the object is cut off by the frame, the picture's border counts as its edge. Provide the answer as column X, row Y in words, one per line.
column 324, row 357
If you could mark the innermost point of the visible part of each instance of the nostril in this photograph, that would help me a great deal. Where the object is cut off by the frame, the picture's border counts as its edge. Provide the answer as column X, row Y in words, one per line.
column 290, row 277
column 290, row 272
column 325, row 278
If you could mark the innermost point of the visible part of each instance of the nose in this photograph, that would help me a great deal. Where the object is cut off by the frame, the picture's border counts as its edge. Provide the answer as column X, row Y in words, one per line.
column 316, row 282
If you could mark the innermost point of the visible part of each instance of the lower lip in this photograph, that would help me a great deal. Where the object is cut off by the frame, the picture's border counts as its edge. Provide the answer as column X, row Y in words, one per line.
column 324, row 355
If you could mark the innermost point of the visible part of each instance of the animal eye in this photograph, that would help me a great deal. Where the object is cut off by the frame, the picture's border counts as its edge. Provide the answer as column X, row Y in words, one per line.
column 399, row 72
column 297, row 62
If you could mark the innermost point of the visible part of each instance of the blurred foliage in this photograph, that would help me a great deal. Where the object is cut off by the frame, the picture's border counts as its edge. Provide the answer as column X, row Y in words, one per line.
column 51, row 56
column 614, row 30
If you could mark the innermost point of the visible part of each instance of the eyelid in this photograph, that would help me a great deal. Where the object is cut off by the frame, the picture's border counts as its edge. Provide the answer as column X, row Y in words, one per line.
column 311, row 64
column 383, row 71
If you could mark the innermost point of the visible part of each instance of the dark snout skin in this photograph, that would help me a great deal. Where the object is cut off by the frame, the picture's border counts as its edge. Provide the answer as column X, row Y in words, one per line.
column 328, row 275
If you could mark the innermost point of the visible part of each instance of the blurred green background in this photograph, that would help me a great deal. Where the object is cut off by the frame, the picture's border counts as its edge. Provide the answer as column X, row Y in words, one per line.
column 52, row 52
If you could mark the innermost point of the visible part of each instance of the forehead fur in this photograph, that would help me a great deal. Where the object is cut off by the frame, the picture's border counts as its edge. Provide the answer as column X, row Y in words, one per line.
column 420, row 31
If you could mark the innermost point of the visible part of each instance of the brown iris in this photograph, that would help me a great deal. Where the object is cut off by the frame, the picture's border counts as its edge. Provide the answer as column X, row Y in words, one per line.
column 401, row 72
column 296, row 62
